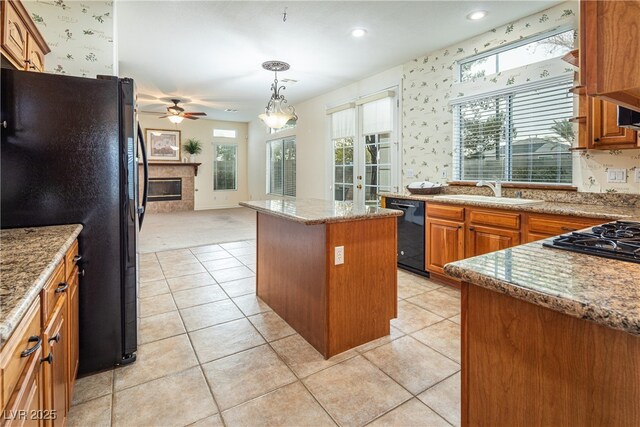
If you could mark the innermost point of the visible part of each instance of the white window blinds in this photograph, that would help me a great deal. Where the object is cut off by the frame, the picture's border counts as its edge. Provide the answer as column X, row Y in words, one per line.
column 519, row 136
column 282, row 167
column 343, row 124
column 377, row 116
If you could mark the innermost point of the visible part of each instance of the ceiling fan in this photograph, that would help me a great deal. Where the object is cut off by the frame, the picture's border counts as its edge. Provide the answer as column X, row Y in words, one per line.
column 176, row 113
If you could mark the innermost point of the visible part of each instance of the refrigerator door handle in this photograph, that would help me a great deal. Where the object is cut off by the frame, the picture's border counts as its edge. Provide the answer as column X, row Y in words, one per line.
column 145, row 187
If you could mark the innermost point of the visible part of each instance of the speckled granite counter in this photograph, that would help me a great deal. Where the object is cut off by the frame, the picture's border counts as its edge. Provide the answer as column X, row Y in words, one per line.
column 602, row 290
column 28, row 256
column 546, row 207
column 314, row 211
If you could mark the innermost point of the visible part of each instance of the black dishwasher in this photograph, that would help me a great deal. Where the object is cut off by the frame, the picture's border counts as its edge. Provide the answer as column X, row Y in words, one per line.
column 411, row 254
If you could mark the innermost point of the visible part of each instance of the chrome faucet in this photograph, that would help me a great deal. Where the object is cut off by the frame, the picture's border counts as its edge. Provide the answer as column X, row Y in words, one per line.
column 497, row 187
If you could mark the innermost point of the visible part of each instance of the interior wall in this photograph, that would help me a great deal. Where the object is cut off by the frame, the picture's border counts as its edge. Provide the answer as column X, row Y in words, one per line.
column 429, row 85
column 79, row 33
column 313, row 147
column 202, row 129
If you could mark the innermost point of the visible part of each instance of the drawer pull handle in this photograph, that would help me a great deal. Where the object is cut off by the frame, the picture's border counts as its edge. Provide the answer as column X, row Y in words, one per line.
column 48, row 359
column 55, row 338
column 568, row 229
column 62, row 287
column 28, row 352
column 77, row 258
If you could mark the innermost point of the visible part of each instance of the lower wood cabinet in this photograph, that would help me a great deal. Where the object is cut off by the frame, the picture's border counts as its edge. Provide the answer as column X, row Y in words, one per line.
column 482, row 240
column 445, row 243
column 455, row 232
column 39, row 361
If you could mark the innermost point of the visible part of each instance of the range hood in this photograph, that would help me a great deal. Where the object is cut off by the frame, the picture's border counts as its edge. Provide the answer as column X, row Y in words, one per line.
column 628, row 118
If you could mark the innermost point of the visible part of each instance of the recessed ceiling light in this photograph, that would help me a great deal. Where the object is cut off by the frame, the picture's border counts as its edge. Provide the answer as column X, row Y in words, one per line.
column 358, row 32
column 478, row 14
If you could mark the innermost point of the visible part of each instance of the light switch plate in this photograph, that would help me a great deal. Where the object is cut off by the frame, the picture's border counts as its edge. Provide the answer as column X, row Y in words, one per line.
column 409, row 173
column 616, row 175
column 339, row 255
column 637, row 179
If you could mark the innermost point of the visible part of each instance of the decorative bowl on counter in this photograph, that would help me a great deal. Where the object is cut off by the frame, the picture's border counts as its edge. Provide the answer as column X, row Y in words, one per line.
column 424, row 191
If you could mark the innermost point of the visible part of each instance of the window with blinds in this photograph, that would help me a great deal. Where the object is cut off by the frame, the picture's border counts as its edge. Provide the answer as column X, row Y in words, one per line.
column 519, row 136
column 281, row 155
column 225, row 167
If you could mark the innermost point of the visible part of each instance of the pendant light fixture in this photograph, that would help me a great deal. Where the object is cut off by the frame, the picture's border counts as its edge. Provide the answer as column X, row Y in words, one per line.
column 277, row 113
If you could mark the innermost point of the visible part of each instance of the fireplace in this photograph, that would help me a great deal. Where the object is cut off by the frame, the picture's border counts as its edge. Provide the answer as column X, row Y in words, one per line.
column 164, row 189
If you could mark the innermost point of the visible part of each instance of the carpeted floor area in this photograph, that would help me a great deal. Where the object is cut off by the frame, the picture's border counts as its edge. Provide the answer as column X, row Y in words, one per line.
column 177, row 230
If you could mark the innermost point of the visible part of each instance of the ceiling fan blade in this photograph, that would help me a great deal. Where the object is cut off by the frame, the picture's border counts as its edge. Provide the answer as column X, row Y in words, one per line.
column 194, row 114
column 165, row 116
column 190, row 118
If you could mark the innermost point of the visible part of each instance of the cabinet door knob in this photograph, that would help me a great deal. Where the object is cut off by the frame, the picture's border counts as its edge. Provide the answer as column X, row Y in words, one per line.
column 55, row 338
column 28, row 352
column 62, row 287
column 596, row 139
column 472, row 229
column 48, row 359
column 77, row 258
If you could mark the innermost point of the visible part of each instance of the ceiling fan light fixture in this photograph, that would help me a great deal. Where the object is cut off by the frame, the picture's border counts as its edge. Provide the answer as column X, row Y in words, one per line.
column 277, row 113
column 176, row 119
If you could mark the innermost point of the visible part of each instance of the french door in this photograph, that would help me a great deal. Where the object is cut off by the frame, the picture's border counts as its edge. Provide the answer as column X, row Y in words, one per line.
column 367, row 164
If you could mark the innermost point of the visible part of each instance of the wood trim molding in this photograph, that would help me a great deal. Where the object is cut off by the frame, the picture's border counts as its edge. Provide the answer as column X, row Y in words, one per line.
column 194, row 165
column 530, row 186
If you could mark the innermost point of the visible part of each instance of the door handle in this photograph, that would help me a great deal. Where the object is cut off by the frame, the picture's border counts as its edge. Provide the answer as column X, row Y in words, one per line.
column 400, row 205
column 359, row 186
column 37, row 340
column 62, row 287
column 145, row 186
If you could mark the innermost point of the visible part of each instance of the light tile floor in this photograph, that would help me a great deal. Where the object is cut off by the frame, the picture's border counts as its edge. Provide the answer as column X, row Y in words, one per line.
column 212, row 354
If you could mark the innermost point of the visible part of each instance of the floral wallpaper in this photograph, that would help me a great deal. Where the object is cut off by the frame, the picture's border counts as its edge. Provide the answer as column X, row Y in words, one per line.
column 79, row 33
column 430, row 84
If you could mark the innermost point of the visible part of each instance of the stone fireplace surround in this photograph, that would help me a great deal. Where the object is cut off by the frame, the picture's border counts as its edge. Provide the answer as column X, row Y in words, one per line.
column 186, row 171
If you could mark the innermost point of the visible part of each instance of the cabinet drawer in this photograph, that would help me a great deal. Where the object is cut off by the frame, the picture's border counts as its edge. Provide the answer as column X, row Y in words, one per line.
column 496, row 219
column 453, row 213
column 70, row 259
column 52, row 291
column 555, row 226
column 21, row 346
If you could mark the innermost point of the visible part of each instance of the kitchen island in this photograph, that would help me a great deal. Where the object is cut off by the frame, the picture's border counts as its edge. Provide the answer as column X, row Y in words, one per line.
column 336, row 301
column 549, row 337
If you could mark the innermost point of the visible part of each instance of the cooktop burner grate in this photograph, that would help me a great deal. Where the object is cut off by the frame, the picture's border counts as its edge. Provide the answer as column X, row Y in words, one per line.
column 616, row 240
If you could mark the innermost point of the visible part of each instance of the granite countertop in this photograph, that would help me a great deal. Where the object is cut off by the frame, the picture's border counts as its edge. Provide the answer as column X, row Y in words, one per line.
column 598, row 289
column 315, row 211
column 28, row 256
column 546, row 207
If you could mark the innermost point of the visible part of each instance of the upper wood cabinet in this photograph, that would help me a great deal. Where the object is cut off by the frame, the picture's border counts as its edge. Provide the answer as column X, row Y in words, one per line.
column 605, row 133
column 610, row 50
column 21, row 42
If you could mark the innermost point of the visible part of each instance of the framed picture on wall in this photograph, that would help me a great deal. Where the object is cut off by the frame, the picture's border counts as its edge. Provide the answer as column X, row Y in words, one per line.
column 163, row 145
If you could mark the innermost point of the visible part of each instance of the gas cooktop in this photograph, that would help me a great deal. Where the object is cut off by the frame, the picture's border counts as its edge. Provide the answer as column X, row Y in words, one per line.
column 617, row 240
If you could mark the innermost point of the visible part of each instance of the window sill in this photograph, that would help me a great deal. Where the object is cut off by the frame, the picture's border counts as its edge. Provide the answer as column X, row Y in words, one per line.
column 525, row 185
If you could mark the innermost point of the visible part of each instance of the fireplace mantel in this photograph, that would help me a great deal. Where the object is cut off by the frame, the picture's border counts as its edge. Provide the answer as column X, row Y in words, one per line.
column 193, row 165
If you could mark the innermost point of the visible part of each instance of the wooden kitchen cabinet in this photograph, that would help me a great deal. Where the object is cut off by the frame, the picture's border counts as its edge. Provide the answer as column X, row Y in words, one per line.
column 39, row 361
column 21, row 42
column 542, row 226
column 609, row 54
column 605, row 133
column 55, row 362
column 445, row 243
column 482, row 240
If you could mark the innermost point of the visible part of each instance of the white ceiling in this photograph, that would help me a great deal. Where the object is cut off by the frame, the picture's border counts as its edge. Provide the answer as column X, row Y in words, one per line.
column 210, row 52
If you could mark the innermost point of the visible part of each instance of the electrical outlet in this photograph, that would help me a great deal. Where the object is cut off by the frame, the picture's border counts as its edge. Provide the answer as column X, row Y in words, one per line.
column 637, row 179
column 617, row 175
column 339, row 255
column 443, row 173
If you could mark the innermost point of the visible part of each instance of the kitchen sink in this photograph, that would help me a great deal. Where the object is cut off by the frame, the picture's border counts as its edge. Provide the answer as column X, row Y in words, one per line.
column 487, row 199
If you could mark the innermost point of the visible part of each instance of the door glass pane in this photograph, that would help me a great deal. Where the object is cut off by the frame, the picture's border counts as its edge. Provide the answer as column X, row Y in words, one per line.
column 348, row 174
column 339, row 175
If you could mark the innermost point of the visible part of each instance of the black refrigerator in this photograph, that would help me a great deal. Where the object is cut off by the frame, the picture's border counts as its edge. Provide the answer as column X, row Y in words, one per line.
column 69, row 154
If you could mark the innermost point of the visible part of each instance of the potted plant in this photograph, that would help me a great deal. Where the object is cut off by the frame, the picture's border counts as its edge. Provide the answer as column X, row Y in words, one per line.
column 193, row 147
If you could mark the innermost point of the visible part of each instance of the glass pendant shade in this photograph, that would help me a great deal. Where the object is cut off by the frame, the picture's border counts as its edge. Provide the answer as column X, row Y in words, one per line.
column 176, row 119
column 277, row 113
